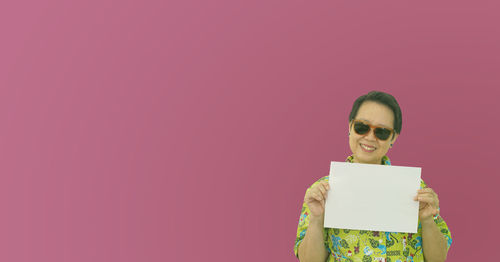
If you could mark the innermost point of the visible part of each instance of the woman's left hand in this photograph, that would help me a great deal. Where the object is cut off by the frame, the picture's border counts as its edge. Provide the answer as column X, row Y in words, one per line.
column 429, row 203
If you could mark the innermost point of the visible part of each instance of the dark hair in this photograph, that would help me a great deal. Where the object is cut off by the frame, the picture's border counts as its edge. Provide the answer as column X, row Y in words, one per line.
column 383, row 99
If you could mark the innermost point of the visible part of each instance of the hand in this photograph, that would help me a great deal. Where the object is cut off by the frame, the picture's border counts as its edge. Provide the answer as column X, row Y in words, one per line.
column 429, row 203
column 315, row 199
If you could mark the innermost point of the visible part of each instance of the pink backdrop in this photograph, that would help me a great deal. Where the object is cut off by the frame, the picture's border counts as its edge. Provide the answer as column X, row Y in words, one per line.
column 189, row 130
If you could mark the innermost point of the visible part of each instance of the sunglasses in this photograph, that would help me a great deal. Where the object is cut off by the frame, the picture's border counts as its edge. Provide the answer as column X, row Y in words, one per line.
column 362, row 128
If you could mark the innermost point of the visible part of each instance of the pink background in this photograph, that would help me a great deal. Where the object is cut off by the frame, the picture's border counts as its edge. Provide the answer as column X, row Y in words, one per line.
column 190, row 130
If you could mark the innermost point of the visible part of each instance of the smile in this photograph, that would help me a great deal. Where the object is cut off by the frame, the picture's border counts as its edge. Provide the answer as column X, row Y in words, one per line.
column 367, row 148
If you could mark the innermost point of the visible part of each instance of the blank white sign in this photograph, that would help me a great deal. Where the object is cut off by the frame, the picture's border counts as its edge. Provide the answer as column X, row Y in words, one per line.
column 372, row 197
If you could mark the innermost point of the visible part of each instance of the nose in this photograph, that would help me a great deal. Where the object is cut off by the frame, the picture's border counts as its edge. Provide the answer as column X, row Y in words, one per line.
column 370, row 135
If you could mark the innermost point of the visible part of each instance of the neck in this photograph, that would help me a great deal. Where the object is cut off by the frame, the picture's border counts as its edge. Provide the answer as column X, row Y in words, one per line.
column 377, row 162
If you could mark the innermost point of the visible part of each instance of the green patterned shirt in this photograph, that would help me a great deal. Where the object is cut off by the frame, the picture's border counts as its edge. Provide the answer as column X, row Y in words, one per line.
column 363, row 245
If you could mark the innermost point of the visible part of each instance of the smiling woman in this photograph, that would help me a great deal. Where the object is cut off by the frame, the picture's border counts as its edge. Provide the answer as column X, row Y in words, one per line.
column 375, row 123
column 369, row 122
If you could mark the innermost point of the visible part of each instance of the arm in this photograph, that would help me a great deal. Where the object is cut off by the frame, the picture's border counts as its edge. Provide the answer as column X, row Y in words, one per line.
column 434, row 243
column 310, row 233
column 312, row 247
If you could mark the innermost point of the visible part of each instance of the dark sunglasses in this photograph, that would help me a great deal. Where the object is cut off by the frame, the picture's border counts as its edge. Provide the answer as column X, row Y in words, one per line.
column 362, row 128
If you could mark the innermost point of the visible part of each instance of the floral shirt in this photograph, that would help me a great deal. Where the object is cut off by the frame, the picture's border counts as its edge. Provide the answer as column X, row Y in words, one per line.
column 365, row 246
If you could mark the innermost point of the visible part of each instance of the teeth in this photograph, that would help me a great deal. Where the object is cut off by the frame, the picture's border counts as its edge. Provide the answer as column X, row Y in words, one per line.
column 368, row 148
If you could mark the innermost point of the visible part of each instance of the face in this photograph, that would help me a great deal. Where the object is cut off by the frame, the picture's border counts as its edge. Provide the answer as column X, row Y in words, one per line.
column 367, row 148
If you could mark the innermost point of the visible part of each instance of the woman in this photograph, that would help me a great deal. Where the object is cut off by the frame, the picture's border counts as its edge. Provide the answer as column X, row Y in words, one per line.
column 374, row 126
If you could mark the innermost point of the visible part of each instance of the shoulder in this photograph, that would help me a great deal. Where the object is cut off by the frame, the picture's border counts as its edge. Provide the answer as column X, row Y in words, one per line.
column 325, row 178
column 422, row 184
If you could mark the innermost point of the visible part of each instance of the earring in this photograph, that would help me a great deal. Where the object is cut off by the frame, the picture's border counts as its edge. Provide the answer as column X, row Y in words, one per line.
column 391, row 145
column 349, row 133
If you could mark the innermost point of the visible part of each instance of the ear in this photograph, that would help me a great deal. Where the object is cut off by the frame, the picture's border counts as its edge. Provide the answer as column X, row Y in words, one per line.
column 393, row 140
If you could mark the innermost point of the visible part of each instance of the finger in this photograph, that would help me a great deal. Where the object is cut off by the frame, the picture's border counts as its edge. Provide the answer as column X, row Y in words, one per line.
column 321, row 196
column 317, row 196
column 310, row 195
column 432, row 196
column 426, row 194
column 429, row 195
column 422, row 195
column 426, row 190
column 427, row 199
column 325, row 192
column 327, row 185
column 322, row 189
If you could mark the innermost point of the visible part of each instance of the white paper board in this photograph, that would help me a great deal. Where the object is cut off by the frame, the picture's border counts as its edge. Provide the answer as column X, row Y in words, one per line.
column 372, row 197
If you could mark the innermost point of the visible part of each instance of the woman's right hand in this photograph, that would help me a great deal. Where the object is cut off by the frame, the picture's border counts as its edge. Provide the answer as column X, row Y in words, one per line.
column 315, row 199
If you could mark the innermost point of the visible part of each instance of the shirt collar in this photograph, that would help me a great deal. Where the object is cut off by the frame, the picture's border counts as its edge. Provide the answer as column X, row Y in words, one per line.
column 385, row 160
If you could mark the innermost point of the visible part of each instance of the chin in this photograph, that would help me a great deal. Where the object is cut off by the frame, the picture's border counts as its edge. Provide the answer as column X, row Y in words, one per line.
column 367, row 160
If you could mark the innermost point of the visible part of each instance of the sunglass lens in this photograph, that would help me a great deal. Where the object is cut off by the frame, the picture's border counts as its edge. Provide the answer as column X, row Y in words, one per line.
column 382, row 133
column 361, row 128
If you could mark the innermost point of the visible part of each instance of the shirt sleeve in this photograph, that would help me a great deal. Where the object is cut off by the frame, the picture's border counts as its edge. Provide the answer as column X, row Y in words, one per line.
column 443, row 227
column 304, row 223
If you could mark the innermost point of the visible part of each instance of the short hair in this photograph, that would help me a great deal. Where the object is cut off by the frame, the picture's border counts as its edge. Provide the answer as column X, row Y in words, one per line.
column 383, row 99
